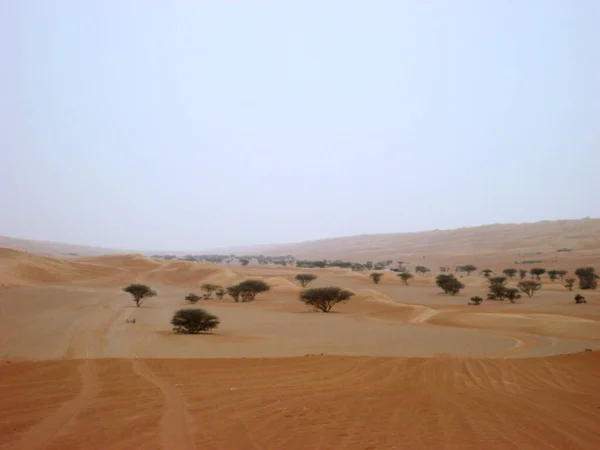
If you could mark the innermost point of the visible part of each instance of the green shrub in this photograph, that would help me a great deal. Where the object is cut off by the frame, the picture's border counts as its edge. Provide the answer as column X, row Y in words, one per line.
column 193, row 321
column 139, row 292
column 325, row 298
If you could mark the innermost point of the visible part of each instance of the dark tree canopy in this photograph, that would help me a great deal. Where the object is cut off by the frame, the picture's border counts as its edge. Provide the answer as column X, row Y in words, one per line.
column 193, row 321
column 305, row 278
column 376, row 276
column 209, row 288
column 529, row 287
column 248, row 290
column 537, row 272
column 405, row 276
column 244, row 261
column 422, row 269
column 487, row 272
column 588, row 279
column 522, row 273
column 220, row 293
column 562, row 273
column 325, row 298
column 449, row 284
column 510, row 273
column 139, row 292
column 192, row 298
column 469, row 268
column 475, row 300
column 580, row 299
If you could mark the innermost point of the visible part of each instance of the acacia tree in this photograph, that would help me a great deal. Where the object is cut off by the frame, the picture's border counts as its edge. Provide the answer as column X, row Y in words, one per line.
column 376, row 277
column 139, row 292
column 305, row 278
column 469, row 268
column 235, row 292
column 553, row 274
column 249, row 289
column 487, row 272
column 405, row 276
column 220, row 293
column 588, row 279
column 325, row 298
column 449, row 284
column 580, row 299
column 522, row 274
column 209, row 288
column 569, row 283
column 475, row 300
column 193, row 321
column 562, row 273
column 529, row 287
column 369, row 265
column 422, row 269
column 510, row 273
column 192, row 298
column 537, row 272
column 244, row 261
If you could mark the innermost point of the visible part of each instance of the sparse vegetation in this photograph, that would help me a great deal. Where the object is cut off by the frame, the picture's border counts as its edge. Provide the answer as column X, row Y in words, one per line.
column 305, row 278
column 449, row 284
column 537, row 272
column 422, row 269
column 469, row 268
column 553, row 274
column 475, row 300
column 209, row 288
column 220, row 293
column 562, row 273
column 588, row 279
column 140, row 292
column 522, row 273
column 325, row 298
column 580, row 299
column 192, row 298
column 193, row 321
column 487, row 272
column 510, row 273
column 246, row 291
column 405, row 276
column 244, row 261
column 499, row 291
column 569, row 283
column 529, row 287
column 376, row 276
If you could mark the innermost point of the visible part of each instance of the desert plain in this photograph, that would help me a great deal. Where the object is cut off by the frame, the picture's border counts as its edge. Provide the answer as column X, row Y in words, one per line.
column 396, row 367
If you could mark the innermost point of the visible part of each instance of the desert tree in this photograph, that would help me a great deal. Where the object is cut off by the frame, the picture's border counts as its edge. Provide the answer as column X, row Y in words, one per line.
column 529, row 287
column 220, row 293
column 499, row 291
column 580, row 299
column 562, row 273
column 305, row 278
column 369, row 265
column 588, row 279
column 376, row 277
column 553, row 274
column 469, row 268
column 487, row 272
column 537, row 272
column 192, row 298
column 510, row 273
column 475, row 300
column 379, row 265
column 209, row 288
column 193, row 321
column 422, row 269
column 235, row 292
column 139, row 292
column 522, row 274
column 324, row 298
column 405, row 276
column 569, row 283
column 244, row 261
column 249, row 289
column 449, row 284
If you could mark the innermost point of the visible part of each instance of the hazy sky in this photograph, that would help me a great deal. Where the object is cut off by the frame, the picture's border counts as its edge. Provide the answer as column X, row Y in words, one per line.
column 207, row 124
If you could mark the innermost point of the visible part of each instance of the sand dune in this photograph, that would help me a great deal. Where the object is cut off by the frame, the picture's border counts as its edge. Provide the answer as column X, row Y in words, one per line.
column 397, row 367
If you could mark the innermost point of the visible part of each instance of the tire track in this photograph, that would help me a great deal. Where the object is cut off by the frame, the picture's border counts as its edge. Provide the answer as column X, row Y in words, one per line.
column 176, row 422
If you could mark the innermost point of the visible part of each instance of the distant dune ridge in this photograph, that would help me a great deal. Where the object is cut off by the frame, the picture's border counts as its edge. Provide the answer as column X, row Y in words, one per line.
column 511, row 241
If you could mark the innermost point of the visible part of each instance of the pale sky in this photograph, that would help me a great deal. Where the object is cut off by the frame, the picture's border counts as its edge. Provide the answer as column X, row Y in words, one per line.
column 176, row 125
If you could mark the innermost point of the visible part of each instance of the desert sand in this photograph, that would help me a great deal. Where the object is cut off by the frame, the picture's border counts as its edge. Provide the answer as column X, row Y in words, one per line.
column 395, row 367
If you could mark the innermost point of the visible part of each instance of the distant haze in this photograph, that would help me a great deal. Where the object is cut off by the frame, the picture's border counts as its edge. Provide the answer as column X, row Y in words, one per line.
column 203, row 125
